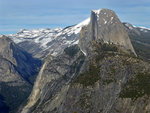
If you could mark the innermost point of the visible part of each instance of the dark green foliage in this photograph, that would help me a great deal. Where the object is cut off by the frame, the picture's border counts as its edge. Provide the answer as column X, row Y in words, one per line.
column 64, row 77
column 74, row 112
column 110, row 76
column 137, row 87
column 85, row 102
column 102, row 48
column 14, row 95
column 92, row 74
column 109, row 47
column 89, row 77
column 108, row 81
column 71, row 51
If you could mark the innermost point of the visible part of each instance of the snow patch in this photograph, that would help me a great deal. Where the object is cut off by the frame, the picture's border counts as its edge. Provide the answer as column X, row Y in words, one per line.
column 83, row 52
column 97, row 11
column 83, row 23
column 112, row 18
column 54, row 54
column 144, row 28
column 129, row 26
column 104, row 21
column 47, row 38
column 76, row 42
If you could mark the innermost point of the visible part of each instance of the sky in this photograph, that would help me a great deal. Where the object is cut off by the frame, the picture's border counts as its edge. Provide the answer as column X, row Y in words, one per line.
column 36, row 14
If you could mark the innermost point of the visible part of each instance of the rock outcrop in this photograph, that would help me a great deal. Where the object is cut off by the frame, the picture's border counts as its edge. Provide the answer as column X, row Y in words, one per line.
column 53, row 81
column 104, row 26
column 110, row 82
column 140, row 38
column 16, row 69
column 99, row 75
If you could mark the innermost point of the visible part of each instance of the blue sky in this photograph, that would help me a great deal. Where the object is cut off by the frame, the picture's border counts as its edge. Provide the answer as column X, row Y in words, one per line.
column 34, row 14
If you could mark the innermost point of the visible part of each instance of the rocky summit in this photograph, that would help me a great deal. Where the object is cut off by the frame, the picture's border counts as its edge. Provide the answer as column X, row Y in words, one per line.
column 100, row 65
column 105, row 26
column 103, row 73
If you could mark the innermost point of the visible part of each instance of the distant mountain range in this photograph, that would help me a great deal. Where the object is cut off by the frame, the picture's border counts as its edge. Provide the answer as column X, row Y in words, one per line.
column 100, row 65
column 42, row 42
column 102, row 74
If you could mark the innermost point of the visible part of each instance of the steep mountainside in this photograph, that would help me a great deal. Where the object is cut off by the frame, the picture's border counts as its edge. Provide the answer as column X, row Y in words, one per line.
column 54, row 77
column 101, row 75
column 16, row 69
column 140, row 38
column 105, row 26
column 42, row 42
column 25, row 65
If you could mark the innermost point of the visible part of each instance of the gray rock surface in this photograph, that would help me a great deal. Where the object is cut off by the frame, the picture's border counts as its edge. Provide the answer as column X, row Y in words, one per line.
column 52, row 82
column 99, row 76
column 104, row 95
column 43, row 42
column 97, row 89
column 105, row 26
column 140, row 38
column 16, row 69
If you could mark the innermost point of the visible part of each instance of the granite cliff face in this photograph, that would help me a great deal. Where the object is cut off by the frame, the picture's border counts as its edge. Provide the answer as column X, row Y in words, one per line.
column 104, row 26
column 16, row 69
column 24, row 64
column 100, row 75
column 110, row 82
column 110, row 85
column 53, row 81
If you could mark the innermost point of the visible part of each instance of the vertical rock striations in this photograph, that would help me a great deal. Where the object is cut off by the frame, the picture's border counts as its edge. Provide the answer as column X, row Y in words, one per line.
column 104, row 26
column 94, row 79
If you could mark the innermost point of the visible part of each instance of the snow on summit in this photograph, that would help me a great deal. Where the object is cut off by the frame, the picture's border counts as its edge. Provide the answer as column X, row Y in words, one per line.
column 53, row 41
column 97, row 11
column 50, row 40
column 44, row 36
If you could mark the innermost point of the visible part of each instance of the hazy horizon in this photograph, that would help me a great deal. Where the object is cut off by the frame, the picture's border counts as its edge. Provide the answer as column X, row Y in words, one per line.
column 35, row 14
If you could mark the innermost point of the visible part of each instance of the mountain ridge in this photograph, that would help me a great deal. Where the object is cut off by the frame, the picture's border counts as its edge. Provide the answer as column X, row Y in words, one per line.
column 106, row 27
column 78, row 82
column 32, row 40
column 48, row 41
column 99, row 65
column 16, row 68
